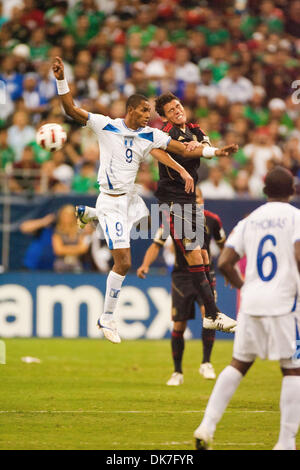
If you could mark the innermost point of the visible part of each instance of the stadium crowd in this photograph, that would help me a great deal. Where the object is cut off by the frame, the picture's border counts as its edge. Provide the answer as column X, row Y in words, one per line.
column 234, row 64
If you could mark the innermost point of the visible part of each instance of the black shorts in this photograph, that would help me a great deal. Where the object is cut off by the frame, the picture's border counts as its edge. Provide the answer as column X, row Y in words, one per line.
column 185, row 223
column 184, row 296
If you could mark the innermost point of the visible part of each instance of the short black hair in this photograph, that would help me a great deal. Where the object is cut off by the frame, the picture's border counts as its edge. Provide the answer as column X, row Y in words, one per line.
column 162, row 100
column 135, row 100
column 279, row 183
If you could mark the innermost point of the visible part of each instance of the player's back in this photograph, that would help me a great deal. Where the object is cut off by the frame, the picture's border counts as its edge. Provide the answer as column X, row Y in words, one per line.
column 267, row 238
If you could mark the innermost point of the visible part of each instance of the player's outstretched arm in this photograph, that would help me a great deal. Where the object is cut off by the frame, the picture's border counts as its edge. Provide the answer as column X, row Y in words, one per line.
column 149, row 258
column 201, row 150
column 164, row 158
column 227, row 260
column 80, row 115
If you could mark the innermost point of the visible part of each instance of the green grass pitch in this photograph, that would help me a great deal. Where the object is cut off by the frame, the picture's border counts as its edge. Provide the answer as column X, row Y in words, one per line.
column 89, row 394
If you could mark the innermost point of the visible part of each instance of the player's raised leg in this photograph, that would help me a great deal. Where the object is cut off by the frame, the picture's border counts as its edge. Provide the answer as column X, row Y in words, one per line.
column 122, row 263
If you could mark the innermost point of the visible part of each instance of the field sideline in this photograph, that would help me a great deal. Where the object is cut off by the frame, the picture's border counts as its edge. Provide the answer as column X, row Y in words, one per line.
column 90, row 394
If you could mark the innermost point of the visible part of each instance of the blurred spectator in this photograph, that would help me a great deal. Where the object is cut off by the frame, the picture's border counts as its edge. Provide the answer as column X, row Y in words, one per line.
column 46, row 86
column 7, row 155
column 215, row 187
column 39, row 254
column 86, row 85
column 241, row 185
column 143, row 25
column 207, row 87
column 57, row 170
column 39, row 47
column 26, row 175
column 255, row 111
column 68, row 245
column 235, row 87
column 293, row 20
column 119, row 66
column 33, row 102
column 20, row 133
column 261, row 150
column 13, row 80
column 86, row 180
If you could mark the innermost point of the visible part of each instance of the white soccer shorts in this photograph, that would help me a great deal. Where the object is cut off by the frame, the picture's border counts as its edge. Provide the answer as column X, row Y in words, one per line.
column 117, row 215
column 274, row 337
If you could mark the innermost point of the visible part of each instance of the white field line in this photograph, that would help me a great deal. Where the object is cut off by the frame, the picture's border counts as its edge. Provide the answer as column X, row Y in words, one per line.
column 125, row 411
column 173, row 443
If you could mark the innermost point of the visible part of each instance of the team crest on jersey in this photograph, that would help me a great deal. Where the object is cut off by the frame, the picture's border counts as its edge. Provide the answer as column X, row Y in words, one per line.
column 128, row 141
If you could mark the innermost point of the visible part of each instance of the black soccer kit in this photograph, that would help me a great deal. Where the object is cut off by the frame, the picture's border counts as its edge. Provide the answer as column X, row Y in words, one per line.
column 171, row 192
column 184, row 217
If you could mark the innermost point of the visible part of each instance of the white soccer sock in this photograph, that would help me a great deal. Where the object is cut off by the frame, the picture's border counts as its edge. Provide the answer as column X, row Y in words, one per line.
column 113, row 286
column 290, row 411
column 225, row 386
column 91, row 212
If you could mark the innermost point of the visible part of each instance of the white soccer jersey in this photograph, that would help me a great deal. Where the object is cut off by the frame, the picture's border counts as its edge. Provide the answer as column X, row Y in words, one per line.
column 266, row 237
column 122, row 150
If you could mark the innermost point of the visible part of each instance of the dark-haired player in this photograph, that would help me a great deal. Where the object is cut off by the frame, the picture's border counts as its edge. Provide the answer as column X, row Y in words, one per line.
column 170, row 192
column 267, row 324
column 184, row 295
column 123, row 144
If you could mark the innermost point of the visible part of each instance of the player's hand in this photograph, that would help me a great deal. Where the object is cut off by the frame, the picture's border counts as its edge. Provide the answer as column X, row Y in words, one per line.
column 190, row 146
column 227, row 151
column 189, row 181
column 142, row 271
column 58, row 68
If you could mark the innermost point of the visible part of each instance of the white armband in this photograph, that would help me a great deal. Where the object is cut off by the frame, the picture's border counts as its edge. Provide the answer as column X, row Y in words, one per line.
column 62, row 86
column 209, row 152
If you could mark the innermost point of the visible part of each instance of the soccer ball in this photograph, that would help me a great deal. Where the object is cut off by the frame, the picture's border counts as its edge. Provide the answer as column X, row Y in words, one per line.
column 51, row 136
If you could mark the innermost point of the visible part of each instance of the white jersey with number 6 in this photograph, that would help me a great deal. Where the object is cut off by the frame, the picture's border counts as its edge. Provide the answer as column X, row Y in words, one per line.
column 122, row 150
column 266, row 237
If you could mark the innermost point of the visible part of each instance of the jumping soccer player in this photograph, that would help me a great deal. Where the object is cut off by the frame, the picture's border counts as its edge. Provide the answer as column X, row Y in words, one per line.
column 184, row 294
column 170, row 192
column 267, row 322
column 124, row 143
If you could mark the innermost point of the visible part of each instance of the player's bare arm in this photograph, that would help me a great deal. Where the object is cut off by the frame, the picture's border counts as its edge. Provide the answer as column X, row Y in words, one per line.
column 165, row 159
column 78, row 114
column 149, row 258
column 227, row 261
column 200, row 150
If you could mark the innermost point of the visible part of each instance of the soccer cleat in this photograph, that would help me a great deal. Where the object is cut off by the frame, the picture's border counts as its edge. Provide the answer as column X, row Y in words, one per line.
column 221, row 323
column 206, row 369
column 82, row 217
column 109, row 330
column 176, row 379
column 203, row 440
